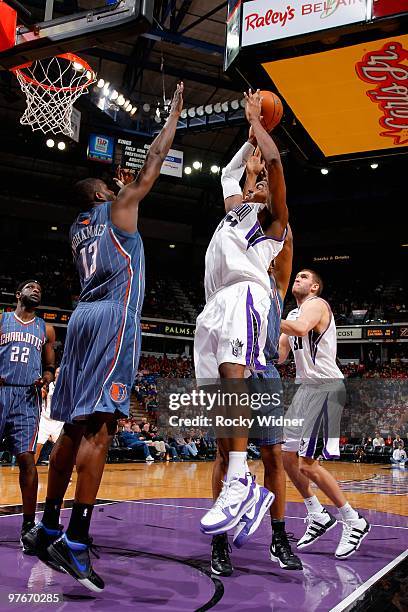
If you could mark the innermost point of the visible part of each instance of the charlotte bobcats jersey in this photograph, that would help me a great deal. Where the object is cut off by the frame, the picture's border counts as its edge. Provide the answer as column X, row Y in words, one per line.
column 271, row 350
column 110, row 262
column 239, row 250
column 21, row 345
column 315, row 354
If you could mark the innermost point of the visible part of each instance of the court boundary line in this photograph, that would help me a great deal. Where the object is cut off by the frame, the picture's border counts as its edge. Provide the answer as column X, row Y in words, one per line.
column 352, row 598
column 146, row 503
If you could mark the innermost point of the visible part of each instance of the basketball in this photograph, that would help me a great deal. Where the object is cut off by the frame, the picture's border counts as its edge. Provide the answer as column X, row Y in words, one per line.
column 272, row 110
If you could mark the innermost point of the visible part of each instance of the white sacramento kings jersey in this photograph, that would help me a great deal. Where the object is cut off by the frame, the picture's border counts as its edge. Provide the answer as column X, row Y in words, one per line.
column 239, row 250
column 315, row 354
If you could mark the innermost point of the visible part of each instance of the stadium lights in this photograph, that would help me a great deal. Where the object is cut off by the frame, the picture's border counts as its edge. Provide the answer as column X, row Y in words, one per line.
column 172, row 246
column 146, row 107
column 100, row 83
column 77, row 66
column 120, row 100
column 217, row 107
column 242, row 103
column 324, row 170
column 157, row 118
column 134, row 109
column 183, row 114
column 106, row 88
column 191, row 112
column 235, row 104
column 187, row 170
column 225, row 107
column 114, row 95
column 209, row 109
column 215, row 169
column 50, row 143
column 54, row 228
column 200, row 111
column 197, row 165
column 61, row 145
column 374, row 166
column 128, row 106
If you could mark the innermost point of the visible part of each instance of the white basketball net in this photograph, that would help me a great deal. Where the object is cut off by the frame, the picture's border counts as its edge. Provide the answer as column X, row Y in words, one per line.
column 51, row 87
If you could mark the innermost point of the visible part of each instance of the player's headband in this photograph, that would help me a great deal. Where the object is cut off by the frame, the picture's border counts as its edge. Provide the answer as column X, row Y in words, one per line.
column 27, row 282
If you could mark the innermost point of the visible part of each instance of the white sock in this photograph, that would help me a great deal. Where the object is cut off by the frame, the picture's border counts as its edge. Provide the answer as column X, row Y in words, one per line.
column 236, row 465
column 247, row 470
column 348, row 513
column 313, row 505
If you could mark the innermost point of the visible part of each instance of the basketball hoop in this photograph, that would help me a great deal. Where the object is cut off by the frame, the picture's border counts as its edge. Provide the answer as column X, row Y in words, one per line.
column 51, row 87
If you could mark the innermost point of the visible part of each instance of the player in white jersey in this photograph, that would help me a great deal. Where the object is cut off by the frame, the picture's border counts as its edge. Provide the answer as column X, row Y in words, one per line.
column 231, row 331
column 310, row 332
column 49, row 428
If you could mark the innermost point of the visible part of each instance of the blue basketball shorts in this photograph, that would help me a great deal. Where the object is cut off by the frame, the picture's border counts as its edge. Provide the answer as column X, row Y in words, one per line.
column 99, row 363
column 269, row 382
column 20, row 409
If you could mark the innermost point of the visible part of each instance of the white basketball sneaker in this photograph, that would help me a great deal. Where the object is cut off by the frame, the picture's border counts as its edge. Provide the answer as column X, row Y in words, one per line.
column 236, row 498
column 354, row 532
column 318, row 523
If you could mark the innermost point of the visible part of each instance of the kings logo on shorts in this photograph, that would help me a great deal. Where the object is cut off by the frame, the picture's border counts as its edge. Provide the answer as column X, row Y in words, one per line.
column 237, row 347
column 118, row 392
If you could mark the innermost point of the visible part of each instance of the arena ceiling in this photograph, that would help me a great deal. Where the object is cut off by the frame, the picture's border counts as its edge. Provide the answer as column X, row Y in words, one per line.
column 186, row 42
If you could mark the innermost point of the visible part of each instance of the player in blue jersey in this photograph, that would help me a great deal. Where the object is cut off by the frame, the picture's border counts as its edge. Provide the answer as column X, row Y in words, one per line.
column 101, row 354
column 26, row 342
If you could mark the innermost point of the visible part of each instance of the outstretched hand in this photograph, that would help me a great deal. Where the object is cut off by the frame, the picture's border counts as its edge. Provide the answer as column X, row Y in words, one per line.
column 123, row 177
column 177, row 101
column 253, row 106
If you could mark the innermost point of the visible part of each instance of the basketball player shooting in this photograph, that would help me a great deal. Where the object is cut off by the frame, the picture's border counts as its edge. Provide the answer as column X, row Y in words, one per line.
column 101, row 355
column 25, row 342
column 310, row 332
column 231, row 330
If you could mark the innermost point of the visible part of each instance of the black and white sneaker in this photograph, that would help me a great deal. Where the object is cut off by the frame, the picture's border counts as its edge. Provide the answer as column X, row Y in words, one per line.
column 25, row 529
column 281, row 552
column 74, row 559
column 220, row 559
column 37, row 539
column 318, row 523
column 354, row 532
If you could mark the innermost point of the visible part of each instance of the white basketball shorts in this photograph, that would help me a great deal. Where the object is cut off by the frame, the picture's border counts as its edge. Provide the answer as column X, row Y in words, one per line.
column 232, row 329
column 317, row 410
column 49, row 428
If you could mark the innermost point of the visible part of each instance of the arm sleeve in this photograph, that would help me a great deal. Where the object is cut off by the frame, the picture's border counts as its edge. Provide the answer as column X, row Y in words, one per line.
column 232, row 173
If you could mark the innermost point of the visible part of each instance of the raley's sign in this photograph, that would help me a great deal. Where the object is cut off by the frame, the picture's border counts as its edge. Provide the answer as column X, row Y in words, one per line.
column 265, row 20
column 386, row 70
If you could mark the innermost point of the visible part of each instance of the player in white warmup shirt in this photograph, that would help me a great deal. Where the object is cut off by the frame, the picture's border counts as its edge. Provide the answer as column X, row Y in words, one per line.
column 48, row 428
column 231, row 331
column 310, row 332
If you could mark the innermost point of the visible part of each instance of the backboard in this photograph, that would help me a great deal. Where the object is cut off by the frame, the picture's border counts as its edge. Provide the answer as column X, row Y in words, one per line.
column 50, row 27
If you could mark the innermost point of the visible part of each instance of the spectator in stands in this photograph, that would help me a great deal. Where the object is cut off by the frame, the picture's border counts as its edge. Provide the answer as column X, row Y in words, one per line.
column 399, row 457
column 398, row 442
column 131, row 439
column 378, row 440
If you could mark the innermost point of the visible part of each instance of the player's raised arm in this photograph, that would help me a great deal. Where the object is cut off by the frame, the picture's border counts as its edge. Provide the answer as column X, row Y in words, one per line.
column 233, row 172
column 271, row 156
column 49, row 355
column 310, row 316
column 125, row 207
column 282, row 266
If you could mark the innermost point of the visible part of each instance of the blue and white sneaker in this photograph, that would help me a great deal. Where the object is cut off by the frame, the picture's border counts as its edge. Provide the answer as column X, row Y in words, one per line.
column 251, row 520
column 37, row 540
column 74, row 559
column 236, row 498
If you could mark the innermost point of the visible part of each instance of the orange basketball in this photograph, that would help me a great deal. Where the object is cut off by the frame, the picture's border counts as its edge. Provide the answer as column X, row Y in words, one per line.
column 272, row 110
